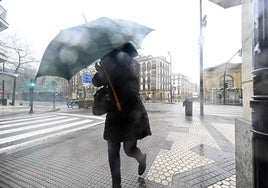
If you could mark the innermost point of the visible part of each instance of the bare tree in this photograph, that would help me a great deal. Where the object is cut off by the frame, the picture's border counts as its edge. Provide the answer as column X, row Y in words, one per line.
column 19, row 55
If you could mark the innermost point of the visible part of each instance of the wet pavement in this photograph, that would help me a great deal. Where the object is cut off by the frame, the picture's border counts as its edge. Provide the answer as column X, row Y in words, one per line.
column 182, row 152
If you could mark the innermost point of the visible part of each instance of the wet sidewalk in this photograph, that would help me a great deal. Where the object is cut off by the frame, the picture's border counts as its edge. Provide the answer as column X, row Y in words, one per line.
column 182, row 152
column 20, row 109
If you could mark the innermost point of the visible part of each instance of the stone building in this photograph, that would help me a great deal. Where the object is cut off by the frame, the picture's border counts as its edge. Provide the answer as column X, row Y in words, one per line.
column 182, row 87
column 3, row 58
column 155, row 82
column 214, row 84
column 3, row 23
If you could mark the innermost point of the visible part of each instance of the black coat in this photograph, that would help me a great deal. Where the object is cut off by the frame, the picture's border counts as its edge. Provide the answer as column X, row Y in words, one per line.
column 132, row 122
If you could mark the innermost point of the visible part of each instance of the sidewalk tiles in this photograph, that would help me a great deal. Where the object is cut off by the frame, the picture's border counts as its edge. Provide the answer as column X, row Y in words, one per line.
column 181, row 153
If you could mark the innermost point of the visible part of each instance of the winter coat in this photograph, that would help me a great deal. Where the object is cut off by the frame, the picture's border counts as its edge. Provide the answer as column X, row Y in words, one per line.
column 132, row 122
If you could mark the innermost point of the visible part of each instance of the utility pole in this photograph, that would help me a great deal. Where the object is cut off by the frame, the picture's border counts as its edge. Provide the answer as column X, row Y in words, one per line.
column 3, row 86
column 203, row 23
column 3, row 91
column 170, row 77
column 54, row 84
column 31, row 89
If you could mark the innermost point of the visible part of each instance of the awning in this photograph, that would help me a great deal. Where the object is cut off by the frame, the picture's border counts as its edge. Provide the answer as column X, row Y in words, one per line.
column 227, row 3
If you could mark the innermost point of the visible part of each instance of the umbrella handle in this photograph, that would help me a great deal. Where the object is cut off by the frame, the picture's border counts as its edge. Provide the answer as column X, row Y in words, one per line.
column 118, row 105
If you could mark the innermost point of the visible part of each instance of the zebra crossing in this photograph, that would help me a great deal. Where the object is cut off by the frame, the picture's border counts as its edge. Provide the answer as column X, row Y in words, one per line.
column 224, row 111
column 28, row 131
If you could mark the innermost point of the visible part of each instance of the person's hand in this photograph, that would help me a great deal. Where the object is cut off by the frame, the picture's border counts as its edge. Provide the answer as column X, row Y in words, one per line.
column 99, row 68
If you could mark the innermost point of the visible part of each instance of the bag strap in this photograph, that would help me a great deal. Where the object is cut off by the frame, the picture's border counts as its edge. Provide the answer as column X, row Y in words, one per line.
column 118, row 105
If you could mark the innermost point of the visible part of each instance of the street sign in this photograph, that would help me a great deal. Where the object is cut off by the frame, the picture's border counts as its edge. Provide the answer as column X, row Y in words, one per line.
column 21, row 86
column 86, row 78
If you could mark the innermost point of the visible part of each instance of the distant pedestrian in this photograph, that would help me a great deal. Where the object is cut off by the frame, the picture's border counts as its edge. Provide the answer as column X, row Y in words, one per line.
column 131, row 123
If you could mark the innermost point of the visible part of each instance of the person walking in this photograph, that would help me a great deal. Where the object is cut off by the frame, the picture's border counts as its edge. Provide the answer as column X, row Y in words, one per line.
column 130, row 122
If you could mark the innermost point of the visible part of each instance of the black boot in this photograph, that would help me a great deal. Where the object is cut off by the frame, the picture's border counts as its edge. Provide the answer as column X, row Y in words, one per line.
column 116, row 185
column 142, row 165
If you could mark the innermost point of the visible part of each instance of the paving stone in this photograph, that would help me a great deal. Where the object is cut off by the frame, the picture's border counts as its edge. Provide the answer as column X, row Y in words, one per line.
column 188, row 152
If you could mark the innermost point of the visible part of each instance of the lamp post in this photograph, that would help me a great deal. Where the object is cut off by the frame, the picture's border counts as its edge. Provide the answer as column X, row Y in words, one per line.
column 3, row 85
column 203, row 23
column 54, row 85
column 224, row 75
column 31, row 89
column 170, row 77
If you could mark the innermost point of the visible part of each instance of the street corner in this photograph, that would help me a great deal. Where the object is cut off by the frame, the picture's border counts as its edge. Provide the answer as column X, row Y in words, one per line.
column 194, row 156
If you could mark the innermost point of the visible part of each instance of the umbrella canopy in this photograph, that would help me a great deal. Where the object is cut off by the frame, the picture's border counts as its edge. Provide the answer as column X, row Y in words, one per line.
column 77, row 47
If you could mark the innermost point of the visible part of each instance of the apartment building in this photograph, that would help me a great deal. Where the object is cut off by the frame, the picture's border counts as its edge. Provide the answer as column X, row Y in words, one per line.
column 182, row 87
column 155, row 83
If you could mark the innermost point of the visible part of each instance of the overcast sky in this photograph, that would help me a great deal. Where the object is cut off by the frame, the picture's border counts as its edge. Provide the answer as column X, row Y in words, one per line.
column 176, row 24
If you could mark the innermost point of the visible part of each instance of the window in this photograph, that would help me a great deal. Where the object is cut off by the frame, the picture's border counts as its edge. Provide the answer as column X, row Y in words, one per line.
column 154, row 65
column 228, row 80
column 148, row 65
column 143, row 67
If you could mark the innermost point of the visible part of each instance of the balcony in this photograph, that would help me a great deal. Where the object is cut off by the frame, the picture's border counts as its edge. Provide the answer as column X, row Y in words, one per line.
column 3, row 22
column 3, row 57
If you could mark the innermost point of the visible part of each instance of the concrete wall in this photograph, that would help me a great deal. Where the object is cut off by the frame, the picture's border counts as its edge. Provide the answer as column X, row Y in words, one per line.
column 243, row 134
column 247, row 48
column 243, row 154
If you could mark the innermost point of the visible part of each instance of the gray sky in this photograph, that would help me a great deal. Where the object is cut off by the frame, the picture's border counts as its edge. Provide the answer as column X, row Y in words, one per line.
column 176, row 24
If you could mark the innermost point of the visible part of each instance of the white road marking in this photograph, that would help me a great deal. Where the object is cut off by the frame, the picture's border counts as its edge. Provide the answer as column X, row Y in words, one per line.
column 43, row 131
column 45, row 138
column 31, row 122
column 12, row 120
column 37, row 125
column 85, row 116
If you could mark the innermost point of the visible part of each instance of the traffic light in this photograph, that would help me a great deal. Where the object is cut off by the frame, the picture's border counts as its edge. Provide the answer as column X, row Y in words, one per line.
column 225, row 85
column 32, row 83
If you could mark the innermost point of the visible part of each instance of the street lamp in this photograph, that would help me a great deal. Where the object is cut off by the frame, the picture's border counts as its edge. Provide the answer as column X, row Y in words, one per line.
column 31, row 88
column 203, row 23
column 54, row 85
column 224, row 75
column 170, row 77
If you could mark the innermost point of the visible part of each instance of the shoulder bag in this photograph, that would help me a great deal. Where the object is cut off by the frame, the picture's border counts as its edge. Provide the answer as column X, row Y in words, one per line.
column 101, row 99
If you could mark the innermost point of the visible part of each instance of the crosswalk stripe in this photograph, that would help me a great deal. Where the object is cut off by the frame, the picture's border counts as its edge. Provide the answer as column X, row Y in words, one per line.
column 85, row 116
column 37, row 125
column 43, row 139
column 220, row 114
column 11, row 120
column 45, row 119
column 43, row 131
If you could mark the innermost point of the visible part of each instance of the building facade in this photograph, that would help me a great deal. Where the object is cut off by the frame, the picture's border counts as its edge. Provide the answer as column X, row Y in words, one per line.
column 182, row 87
column 214, row 84
column 3, row 58
column 155, row 83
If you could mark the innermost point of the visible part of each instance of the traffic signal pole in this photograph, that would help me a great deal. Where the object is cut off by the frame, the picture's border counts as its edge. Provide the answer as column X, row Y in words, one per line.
column 202, row 23
column 31, row 100
column 31, row 89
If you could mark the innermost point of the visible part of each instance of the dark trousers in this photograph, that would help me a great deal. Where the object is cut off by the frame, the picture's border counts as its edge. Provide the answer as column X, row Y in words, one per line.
column 130, row 148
